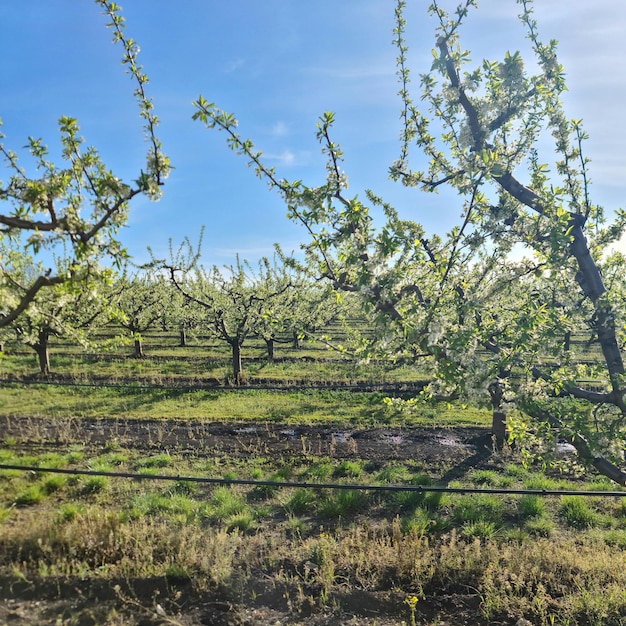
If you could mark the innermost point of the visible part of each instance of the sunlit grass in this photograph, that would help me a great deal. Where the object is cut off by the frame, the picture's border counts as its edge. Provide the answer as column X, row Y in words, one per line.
column 298, row 406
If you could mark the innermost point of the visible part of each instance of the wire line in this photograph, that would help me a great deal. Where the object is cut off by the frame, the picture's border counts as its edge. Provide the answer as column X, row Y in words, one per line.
column 288, row 484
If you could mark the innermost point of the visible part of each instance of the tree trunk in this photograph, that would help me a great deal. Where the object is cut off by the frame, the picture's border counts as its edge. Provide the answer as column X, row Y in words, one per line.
column 498, row 416
column 43, row 355
column 269, row 343
column 237, row 367
column 138, row 348
column 183, row 337
column 296, row 340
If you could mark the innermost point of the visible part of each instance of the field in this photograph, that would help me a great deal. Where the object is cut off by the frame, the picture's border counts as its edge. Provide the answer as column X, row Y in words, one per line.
column 300, row 498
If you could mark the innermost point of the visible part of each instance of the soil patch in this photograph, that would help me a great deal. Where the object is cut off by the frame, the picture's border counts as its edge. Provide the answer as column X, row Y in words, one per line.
column 441, row 448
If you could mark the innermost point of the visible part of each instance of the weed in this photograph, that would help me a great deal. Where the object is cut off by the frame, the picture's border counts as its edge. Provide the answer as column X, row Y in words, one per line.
column 30, row 496
column 531, row 506
column 5, row 513
column 491, row 478
column 418, row 524
column 577, row 513
column 319, row 470
column 616, row 538
column 394, row 474
column 481, row 507
column 184, row 488
column 243, row 521
column 117, row 458
column 161, row 460
column 301, row 501
column 479, row 529
column 295, row 526
column 516, row 470
column 74, row 457
column 622, row 507
column 224, row 504
column 53, row 483
column 539, row 526
column 69, row 511
column 93, row 484
column 411, row 602
column 343, row 503
column 348, row 469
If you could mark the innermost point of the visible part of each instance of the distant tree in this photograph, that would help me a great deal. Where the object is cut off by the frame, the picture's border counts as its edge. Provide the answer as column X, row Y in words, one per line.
column 311, row 308
column 272, row 322
column 58, row 312
column 234, row 302
column 72, row 211
column 482, row 134
column 142, row 299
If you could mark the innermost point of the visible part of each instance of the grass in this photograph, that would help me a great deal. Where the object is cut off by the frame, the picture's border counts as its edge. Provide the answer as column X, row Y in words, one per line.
column 531, row 506
column 484, row 542
column 289, row 407
column 578, row 513
column 549, row 560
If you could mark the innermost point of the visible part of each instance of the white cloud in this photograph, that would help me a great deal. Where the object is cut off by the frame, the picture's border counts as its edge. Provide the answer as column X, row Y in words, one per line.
column 233, row 66
column 287, row 158
column 279, row 129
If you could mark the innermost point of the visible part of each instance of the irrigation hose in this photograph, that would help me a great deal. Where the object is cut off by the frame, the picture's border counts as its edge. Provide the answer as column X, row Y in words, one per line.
column 297, row 484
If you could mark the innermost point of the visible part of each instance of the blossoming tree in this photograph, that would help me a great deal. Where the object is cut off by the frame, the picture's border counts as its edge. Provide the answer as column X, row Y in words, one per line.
column 71, row 211
column 489, row 317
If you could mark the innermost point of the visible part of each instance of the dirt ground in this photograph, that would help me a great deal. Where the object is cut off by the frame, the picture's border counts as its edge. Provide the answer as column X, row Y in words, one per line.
column 447, row 453
column 452, row 449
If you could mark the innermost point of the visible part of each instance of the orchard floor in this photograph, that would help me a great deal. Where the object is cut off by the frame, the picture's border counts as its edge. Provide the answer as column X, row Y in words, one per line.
column 448, row 453
column 451, row 449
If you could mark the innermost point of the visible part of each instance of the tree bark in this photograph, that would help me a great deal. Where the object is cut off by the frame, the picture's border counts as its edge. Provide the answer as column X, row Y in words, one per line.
column 138, row 349
column 43, row 354
column 498, row 416
column 236, row 360
column 269, row 343
column 183, row 337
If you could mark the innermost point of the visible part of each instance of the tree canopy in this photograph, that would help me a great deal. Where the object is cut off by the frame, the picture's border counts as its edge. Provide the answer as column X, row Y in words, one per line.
column 66, row 217
column 491, row 301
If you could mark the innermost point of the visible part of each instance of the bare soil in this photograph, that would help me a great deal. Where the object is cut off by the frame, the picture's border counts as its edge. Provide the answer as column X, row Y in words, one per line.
column 445, row 453
column 452, row 450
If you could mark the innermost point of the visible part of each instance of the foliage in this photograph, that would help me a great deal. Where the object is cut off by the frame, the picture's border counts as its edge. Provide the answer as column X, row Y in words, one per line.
column 134, row 530
column 237, row 302
column 70, row 212
column 142, row 299
column 59, row 311
column 466, row 300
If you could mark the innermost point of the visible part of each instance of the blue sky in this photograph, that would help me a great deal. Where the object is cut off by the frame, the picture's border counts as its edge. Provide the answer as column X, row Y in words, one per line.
column 278, row 65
